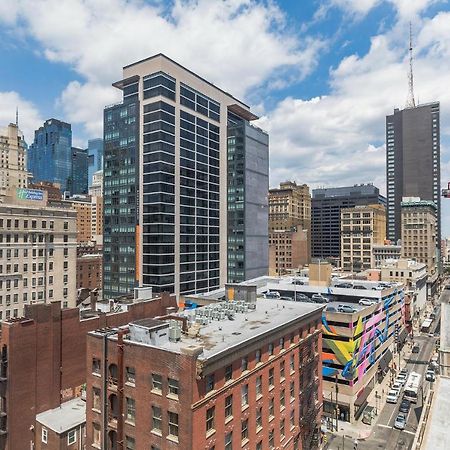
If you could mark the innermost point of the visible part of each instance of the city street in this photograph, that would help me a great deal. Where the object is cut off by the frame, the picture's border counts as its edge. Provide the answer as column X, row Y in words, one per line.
column 384, row 435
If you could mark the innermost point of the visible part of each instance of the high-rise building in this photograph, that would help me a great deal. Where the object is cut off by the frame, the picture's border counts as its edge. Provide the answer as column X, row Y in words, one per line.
column 95, row 158
column 13, row 167
column 224, row 385
column 37, row 252
column 289, row 227
column 290, row 206
column 165, row 190
column 248, row 182
column 78, row 184
column 326, row 215
column 83, row 207
column 412, row 162
column 419, row 228
column 361, row 228
column 50, row 154
column 96, row 186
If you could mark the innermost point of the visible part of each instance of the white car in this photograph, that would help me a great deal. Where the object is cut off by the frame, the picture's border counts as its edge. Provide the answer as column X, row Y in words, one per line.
column 367, row 302
column 397, row 386
column 392, row 396
column 400, row 380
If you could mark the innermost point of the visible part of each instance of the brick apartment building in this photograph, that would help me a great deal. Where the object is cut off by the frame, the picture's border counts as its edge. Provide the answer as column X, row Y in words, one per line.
column 89, row 271
column 43, row 361
column 249, row 382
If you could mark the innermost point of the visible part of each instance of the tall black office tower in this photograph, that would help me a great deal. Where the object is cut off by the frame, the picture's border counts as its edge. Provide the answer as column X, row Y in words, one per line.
column 412, row 162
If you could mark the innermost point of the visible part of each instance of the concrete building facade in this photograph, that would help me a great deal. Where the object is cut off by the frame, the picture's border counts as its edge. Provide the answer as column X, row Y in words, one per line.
column 412, row 162
column 419, row 228
column 248, row 182
column 383, row 253
column 361, row 228
column 13, row 160
column 201, row 388
column 326, row 215
column 37, row 253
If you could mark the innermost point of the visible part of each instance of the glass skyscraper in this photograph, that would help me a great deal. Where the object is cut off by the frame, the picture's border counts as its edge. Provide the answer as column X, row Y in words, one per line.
column 78, row 183
column 95, row 158
column 175, row 205
column 50, row 154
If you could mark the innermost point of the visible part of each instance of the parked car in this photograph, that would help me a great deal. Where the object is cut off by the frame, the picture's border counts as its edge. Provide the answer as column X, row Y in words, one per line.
column 272, row 295
column 404, row 372
column 367, row 302
column 400, row 422
column 392, row 396
column 416, row 348
column 330, row 308
column 319, row 298
column 397, row 386
column 346, row 309
column 430, row 376
column 400, row 380
column 405, row 405
column 402, row 377
column 378, row 288
column 359, row 286
column 298, row 282
column 289, row 299
column 447, row 286
column 302, row 298
column 344, row 285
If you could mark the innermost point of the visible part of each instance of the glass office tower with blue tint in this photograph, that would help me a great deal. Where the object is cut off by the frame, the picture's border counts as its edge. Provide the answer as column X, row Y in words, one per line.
column 50, row 154
column 120, row 188
column 78, row 184
column 181, row 187
column 95, row 158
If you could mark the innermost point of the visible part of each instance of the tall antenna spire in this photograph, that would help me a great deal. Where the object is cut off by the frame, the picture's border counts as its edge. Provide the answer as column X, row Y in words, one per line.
column 17, row 116
column 410, row 101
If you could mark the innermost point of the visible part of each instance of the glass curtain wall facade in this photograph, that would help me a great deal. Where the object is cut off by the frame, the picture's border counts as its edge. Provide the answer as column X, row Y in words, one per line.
column 120, row 188
column 78, row 183
column 95, row 158
column 50, row 154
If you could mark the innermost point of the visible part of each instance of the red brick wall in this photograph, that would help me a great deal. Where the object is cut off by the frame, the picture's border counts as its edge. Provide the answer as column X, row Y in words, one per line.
column 35, row 356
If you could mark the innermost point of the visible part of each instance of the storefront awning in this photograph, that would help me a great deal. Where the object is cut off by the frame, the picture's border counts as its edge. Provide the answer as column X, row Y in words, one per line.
column 362, row 397
column 385, row 360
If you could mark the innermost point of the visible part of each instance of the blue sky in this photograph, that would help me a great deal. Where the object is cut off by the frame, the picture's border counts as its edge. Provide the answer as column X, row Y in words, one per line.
column 322, row 74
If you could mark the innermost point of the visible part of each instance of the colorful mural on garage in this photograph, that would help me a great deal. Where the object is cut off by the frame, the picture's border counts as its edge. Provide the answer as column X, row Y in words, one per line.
column 358, row 353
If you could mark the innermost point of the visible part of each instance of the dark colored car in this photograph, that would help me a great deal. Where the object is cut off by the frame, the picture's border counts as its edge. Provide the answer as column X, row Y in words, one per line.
column 302, row 298
column 416, row 349
column 298, row 282
column 344, row 285
column 359, row 286
column 405, row 405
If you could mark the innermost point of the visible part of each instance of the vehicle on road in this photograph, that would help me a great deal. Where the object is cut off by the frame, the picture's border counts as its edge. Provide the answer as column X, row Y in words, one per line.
column 344, row 285
column 392, row 396
column 289, row 299
column 404, row 372
column 346, row 309
column 397, row 386
column 272, row 295
column 400, row 380
column 426, row 325
column 330, row 308
column 298, row 282
column 400, row 422
column 447, row 286
column 319, row 298
column 416, row 348
column 430, row 376
column 405, row 405
column 359, row 286
column 412, row 387
column 367, row 302
column 302, row 298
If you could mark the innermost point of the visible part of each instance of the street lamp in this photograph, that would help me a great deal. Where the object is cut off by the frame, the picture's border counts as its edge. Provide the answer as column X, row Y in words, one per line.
column 337, row 407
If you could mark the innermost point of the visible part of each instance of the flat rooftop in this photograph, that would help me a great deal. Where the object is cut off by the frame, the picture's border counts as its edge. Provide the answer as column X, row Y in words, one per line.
column 437, row 434
column 69, row 415
column 223, row 334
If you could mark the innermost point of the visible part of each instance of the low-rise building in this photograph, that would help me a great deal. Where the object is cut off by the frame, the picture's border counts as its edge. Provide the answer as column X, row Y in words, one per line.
column 227, row 375
column 385, row 252
column 62, row 428
column 89, row 271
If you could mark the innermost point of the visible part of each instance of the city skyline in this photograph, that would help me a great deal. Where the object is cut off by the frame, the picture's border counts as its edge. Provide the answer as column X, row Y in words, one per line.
column 307, row 68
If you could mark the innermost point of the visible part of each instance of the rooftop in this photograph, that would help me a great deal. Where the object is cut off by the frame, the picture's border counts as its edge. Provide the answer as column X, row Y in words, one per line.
column 436, row 436
column 69, row 415
column 213, row 335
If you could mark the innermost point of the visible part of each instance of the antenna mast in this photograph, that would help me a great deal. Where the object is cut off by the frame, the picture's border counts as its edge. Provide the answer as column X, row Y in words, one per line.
column 410, row 102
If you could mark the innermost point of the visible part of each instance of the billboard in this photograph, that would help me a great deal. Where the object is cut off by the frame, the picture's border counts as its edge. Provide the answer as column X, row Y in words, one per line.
column 30, row 194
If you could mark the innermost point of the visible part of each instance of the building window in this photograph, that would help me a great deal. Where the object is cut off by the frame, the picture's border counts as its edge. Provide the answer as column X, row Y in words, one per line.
column 71, row 437
column 96, row 434
column 271, row 408
column 270, row 349
column 228, row 372
column 259, row 445
column 96, row 400
column 130, row 375
column 130, row 443
column 271, row 383
column 229, row 406
column 210, row 383
column 173, row 387
column 292, row 363
column 244, row 430
column 292, row 418
column 210, row 419
column 44, row 435
column 96, row 366
column 292, row 390
column 244, row 395
column 259, row 418
column 229, row 441
column 244, row 364
column 282, row 399
column 258, row 386
column 258, row 356
column 173, row 424
column 271, row 445
column 282, row 377
column 156, row 383
column 131, row 410
column 282, row 428
column 156, row 419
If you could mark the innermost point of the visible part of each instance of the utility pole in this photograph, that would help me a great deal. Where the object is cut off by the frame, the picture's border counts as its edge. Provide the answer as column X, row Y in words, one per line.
column 337, row 407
